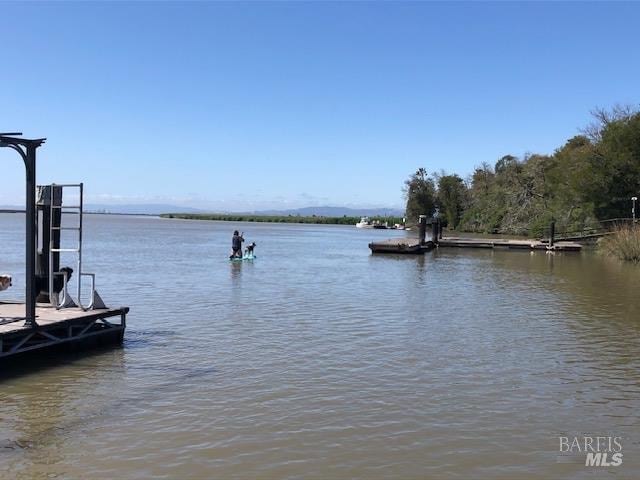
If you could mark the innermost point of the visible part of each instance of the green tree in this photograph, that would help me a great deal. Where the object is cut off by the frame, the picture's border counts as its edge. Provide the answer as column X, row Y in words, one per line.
column 420, row 193
column 614, row 166
column 571, row 179
column 452, row 198
column 486, row 206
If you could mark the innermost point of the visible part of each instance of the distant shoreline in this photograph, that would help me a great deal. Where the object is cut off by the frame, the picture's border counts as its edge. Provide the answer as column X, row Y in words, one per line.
column 125, row 214
column 300, row 219
column 7, row 210
column 313, row 219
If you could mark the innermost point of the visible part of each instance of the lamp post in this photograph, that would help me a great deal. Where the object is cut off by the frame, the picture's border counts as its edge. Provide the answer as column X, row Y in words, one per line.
column 633, row 208
column 27, row 150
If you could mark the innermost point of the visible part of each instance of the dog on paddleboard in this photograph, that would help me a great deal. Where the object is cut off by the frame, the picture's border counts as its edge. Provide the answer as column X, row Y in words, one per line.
column 248, row 252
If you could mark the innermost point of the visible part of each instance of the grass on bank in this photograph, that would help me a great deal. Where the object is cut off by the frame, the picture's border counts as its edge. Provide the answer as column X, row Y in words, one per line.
column 624, row 244
column 315, row 219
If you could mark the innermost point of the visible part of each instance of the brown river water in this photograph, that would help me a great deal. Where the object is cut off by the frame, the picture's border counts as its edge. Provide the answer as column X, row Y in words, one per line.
column 318, row 360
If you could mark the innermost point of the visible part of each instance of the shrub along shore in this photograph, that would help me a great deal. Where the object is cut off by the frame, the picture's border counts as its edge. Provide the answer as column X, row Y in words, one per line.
column 315, row 219
column 624, row 244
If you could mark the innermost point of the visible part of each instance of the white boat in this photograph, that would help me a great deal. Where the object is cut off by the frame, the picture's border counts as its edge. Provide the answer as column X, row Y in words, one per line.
column 364, row 223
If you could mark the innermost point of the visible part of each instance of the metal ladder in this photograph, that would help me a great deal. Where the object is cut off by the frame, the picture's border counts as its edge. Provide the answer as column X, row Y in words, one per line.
column 67, row 301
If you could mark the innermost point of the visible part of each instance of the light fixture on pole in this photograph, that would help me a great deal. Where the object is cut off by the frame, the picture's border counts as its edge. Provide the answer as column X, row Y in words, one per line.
column 633, row 208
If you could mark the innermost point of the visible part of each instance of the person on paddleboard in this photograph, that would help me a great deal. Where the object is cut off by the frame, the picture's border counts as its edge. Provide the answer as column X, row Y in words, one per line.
column 236, row 245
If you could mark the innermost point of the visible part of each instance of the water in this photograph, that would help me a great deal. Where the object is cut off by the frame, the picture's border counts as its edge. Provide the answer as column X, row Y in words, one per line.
column 318, row 360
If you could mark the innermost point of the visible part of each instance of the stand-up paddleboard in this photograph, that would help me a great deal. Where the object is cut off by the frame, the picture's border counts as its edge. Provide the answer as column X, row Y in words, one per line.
column 240, row 259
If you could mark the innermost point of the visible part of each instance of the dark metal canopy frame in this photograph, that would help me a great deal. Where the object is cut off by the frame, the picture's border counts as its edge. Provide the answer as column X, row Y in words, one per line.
column 27, row 150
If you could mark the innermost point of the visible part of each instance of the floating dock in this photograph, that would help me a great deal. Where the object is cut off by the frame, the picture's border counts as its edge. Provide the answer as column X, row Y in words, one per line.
column 419, row 244
column 461, row 242
column 413, row 245
column 68, row 327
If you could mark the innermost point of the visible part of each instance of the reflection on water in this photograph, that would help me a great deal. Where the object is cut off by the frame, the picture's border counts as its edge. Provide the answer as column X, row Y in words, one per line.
column 318, row 359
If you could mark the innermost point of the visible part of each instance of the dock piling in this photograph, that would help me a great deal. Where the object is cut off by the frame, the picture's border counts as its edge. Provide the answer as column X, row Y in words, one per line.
column 435, row 230
column 422, row 221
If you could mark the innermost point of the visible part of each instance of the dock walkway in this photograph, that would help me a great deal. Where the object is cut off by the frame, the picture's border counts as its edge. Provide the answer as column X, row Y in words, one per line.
column 413, row 245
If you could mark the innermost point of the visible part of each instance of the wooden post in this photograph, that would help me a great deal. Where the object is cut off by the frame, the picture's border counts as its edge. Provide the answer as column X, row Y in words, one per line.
column 440, row 228
column 423, row 228
column 552, row 233
column 434, row 231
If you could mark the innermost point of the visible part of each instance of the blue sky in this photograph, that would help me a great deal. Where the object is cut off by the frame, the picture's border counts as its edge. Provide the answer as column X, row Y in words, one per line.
column 248, row 106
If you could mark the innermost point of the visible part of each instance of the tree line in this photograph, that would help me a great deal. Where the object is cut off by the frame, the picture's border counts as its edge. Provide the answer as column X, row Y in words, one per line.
column 313, row 219
column 592, row 177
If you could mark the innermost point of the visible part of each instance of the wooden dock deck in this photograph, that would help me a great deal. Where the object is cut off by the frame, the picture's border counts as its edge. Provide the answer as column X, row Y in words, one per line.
column 67, row 326
column 412, row 245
